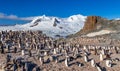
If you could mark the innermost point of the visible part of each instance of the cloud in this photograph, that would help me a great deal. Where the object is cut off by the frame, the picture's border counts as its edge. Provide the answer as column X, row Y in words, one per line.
column 14, row 17
column 27, row 18
column 2, row 15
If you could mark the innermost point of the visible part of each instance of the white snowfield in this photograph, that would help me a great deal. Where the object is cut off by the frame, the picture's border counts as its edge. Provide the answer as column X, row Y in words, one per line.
column 52, row 26
column 101, row 32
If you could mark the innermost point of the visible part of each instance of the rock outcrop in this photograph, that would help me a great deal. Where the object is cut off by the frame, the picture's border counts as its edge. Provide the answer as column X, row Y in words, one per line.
column 90, row 23
column 97, row 24
column 93, row 23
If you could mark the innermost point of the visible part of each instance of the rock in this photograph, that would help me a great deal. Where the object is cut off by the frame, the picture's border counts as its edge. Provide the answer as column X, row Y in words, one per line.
column 92, row 23
column 55, row 22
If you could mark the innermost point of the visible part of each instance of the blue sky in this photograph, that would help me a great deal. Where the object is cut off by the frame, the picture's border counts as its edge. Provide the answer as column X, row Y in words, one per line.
column 13, row 11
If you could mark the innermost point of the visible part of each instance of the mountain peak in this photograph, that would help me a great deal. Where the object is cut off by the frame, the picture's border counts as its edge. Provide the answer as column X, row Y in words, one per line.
column 76, row 18
column 52, row 26
column 57, row 26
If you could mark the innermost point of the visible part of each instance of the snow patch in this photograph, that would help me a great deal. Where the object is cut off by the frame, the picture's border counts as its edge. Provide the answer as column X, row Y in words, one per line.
column 102, row 32
column 117, row 19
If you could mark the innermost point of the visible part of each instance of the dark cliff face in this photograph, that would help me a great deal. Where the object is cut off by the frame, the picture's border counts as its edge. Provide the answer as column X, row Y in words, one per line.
column 55, row 22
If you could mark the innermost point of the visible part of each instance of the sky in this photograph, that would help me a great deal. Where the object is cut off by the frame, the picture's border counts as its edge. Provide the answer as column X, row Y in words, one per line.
column 21, row 11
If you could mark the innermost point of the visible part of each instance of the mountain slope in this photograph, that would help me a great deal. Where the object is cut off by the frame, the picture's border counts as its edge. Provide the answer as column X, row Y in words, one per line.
column 77, row 25
column 52, row 26
column 95, row 26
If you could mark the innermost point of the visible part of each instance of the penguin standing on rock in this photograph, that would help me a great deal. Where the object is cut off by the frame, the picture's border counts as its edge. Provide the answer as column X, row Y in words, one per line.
column 2, row 49
column 15, row 49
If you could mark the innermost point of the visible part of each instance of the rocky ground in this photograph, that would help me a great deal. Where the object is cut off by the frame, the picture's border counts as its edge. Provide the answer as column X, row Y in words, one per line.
column 73, row 65
column 67, row 55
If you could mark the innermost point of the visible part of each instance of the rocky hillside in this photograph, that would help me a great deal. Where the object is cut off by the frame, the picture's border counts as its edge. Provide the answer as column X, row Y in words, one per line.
column 95, row 24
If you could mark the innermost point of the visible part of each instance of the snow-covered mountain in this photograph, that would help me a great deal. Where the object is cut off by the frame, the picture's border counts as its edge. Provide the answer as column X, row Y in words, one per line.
column 52, row 26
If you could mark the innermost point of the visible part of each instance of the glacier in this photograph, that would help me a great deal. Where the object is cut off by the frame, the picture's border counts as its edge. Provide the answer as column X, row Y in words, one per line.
column 50, row 25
